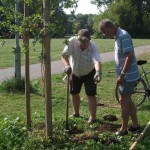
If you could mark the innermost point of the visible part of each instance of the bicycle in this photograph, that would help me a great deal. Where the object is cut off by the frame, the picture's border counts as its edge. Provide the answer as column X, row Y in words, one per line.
column 142, row 87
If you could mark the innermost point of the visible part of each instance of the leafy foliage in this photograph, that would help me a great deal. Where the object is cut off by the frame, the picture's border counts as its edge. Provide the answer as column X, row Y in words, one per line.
column 126, row 15
column 12, row 134
column 14, row 86
column 101, row 3
column 34, row 23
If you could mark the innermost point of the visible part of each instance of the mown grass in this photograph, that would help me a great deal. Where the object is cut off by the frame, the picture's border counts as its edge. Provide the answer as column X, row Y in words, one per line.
column 13, row 130
column 7, row 55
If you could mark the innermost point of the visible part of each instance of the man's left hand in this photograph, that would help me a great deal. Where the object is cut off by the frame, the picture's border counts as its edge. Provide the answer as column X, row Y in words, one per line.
column 98, row 76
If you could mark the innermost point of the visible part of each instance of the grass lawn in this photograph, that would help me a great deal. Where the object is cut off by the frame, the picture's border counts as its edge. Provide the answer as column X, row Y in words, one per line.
column 82, row 136
column 7, row 55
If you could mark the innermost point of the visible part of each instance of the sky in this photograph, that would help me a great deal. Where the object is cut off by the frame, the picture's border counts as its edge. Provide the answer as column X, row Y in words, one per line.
column 84, row 7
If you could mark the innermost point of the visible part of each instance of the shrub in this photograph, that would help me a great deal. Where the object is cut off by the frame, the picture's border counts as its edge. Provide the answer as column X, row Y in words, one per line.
column 14, row 86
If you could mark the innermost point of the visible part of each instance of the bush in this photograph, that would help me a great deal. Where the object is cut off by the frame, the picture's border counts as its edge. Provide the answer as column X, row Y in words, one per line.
column 14, row 86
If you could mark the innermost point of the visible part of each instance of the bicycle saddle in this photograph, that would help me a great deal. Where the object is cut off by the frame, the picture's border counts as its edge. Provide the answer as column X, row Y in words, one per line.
column 141, row 62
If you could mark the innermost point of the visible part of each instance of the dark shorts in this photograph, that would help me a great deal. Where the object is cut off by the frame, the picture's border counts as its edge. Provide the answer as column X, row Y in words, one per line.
column 89, row 84
column 127, row 88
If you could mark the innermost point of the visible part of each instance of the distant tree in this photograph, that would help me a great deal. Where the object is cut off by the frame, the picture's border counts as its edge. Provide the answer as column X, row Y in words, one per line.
column 123, row 14
column 76, row 27
column 83, row 21
column 69, row 24
column 90, row 23
column 126, row 15
column 142, row 5
column 142, row 11
column 101, row 3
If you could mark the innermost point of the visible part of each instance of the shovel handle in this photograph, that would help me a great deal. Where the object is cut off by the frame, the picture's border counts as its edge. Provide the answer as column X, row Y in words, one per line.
column 67, row 101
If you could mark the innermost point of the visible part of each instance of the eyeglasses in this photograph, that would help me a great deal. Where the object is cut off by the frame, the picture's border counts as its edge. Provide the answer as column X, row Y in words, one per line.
column 84, row 44
column 105, row 32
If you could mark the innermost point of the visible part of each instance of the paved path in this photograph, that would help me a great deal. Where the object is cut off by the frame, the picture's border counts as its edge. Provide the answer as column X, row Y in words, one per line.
column 57, row 66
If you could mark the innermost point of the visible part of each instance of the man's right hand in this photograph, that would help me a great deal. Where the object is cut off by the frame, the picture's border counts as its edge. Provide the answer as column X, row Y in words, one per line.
column 67, row 69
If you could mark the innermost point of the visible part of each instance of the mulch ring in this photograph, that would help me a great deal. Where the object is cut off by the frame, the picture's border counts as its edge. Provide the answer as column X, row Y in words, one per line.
column 80, row 136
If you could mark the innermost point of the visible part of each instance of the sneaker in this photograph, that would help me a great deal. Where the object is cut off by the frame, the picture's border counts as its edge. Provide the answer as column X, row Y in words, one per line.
column 132, row 129
column 75, row 115
column 121, row 133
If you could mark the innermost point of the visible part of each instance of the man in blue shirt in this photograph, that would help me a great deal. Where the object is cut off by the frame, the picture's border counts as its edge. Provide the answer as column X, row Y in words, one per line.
column 126, row 70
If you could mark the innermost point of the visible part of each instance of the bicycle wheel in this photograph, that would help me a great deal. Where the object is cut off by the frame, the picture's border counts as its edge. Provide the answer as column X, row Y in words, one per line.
column 138, row 95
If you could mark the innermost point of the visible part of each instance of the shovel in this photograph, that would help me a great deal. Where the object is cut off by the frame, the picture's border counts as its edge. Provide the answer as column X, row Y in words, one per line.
column 67, row 104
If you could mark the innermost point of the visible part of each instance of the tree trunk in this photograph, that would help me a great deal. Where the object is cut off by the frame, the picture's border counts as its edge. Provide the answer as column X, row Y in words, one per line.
column 27, row 72
column 17, row 61
column 47, row 72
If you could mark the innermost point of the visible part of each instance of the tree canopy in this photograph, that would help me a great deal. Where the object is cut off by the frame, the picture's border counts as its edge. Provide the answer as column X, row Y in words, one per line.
column 58, row 18
column 132, row 15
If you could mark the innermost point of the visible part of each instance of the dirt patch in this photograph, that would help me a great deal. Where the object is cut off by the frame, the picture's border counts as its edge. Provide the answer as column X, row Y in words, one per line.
column 108, row 127
column 110, row 118
column 80, row 136
column 100, row 104
column 75, row 131
column 83, row 137
column 110, row 140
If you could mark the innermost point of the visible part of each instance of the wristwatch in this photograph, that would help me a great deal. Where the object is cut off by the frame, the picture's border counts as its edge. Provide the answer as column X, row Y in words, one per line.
column 122, row 73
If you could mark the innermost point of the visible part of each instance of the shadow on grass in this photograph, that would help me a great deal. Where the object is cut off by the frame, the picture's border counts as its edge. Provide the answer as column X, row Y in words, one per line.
column 144, row 107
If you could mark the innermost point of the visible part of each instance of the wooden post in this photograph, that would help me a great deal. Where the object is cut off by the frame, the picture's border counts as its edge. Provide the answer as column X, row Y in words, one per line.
column 140, row 137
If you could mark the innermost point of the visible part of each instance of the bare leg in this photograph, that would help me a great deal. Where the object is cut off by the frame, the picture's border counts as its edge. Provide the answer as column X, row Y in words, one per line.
column 133, row 114
column 124, row 100
column 92, row 108
column 76, row 103
column 128, row 109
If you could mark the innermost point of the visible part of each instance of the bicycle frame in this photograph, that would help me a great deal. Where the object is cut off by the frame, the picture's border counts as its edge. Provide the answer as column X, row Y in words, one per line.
column 145, row 78
column 142, row 87
column 144, row 75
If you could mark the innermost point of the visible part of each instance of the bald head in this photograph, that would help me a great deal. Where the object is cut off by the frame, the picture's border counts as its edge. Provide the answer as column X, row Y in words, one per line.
column 108, row 28
column 106, row 23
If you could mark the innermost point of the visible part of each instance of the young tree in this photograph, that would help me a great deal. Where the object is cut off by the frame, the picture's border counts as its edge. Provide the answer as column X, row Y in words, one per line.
column 42, row 28
column 27, row 70
column 47, row 67
column 17, row 52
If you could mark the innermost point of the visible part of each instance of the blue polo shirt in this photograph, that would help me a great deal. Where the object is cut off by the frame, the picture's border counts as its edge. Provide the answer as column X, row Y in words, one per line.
column 123, row 45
